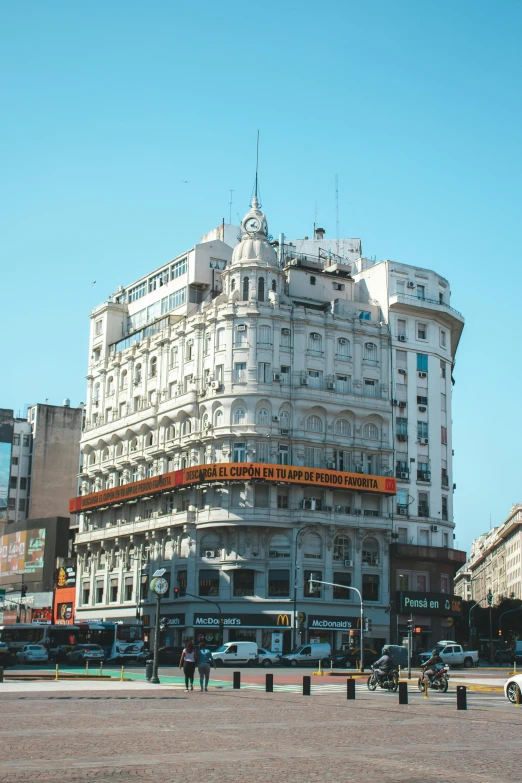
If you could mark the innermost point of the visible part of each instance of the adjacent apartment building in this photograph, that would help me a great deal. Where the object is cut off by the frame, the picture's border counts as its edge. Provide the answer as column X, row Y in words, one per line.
column 259, row 412
column 494, row 565
column 41, row 461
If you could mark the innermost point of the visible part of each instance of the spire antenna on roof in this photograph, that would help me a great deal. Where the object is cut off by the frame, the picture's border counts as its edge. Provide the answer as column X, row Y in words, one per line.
column 255, row 200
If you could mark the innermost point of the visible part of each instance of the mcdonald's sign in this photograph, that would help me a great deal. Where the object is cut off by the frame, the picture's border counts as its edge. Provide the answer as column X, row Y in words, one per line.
column 283, row 619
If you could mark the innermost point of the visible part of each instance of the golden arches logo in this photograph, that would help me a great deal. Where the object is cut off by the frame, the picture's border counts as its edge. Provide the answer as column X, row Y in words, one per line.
column 283, row 619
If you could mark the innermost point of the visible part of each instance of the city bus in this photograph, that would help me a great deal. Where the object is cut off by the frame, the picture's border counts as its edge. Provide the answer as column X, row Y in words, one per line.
column 119, row 640
column 53, row 637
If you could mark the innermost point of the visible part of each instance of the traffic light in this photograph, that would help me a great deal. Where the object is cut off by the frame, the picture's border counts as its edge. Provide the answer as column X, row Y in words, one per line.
column 164, row 622
column 176, row 592
column 409, row 625
column 367, row 624
column 24, row 591
column 499, row 632
column 490, row 599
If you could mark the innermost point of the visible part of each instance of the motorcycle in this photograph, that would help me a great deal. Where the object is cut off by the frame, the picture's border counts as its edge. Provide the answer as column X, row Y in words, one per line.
column 389, row 681
column 439, row 681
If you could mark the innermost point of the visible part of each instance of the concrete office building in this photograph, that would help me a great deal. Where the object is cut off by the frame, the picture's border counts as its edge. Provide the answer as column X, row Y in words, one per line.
column 258, row 413
column 43, row 461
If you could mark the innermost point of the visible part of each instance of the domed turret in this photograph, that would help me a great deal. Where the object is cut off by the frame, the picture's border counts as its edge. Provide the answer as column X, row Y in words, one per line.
column 254, row 245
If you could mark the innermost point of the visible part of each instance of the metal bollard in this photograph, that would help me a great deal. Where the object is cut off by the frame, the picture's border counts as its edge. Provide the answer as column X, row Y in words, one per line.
column 306, row 686
column 1, row 673
column 86, row 668
column 56, row 675
column 101, row 668
column 122, row 675
column 237, row 680
column 149, row 668
column 462, row 703
column 403, row 693
column 269, row 683
column 350, row 688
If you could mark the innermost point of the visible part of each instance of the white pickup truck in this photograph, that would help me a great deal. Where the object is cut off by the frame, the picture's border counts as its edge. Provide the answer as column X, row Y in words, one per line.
column 453, row 654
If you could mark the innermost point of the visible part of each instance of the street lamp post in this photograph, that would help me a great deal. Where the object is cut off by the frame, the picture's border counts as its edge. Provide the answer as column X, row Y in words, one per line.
column 355, row 590
column 294, row 624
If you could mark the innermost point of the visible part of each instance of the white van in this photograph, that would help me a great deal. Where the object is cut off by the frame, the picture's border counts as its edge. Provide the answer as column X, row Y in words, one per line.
column 309, row 654
column 238, row 653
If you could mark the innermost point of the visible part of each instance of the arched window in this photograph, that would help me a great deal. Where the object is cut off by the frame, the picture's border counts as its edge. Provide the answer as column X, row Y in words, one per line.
column 342, row 427
column 124, row 379
column 210, row 545
column 174, row 357
column 370, row 551
column 342, row 548
column 261, row 289
column 265, row 336
column 96, row 396
column 233, row 284
column 279, row 546
column 239, row 416
column 153, row 367
column 313, row 546
column 119, row 449
column 246, row 286
column 186, row 427
column 315, row 343
column 218, row 418
column 92, row 458
column 274, row 285
column 314, row 424
column 184, row 546
column 371, row 432
column 284, row 420
column 343, row 348
column 220, row 339
column 134, row 444
column 150, row 440
column 170, row 432
column 110, row 385
column 105, row 454
column 262, row 417
column 137, row 374
column 205, row 424
column 370, row 352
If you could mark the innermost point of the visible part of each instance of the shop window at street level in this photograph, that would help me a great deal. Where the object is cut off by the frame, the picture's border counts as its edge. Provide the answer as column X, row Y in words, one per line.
column 244, row 582
column 278, row 583
column 208, row 581
column 342, row 578
column 370, row 587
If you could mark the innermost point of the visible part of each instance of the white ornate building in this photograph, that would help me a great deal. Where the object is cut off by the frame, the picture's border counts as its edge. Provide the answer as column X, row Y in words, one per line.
column 293, row 375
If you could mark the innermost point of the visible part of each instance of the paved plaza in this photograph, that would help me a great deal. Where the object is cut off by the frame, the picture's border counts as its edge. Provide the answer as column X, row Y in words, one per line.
column 137, row 732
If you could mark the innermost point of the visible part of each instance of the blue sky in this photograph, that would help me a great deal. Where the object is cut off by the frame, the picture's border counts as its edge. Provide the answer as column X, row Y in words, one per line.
column 109, row 107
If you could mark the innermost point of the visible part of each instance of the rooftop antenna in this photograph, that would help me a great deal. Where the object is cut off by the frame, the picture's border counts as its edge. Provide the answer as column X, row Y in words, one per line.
column 337, row 211
column 230, row 208
column 256, row 189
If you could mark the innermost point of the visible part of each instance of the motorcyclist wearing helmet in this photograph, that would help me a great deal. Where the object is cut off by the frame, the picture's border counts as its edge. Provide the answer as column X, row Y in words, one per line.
column 384, row 665
column 432, row 666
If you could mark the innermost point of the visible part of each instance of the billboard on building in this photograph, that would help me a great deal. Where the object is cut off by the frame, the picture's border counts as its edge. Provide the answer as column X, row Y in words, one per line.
column 22, row 554
column 6, row 444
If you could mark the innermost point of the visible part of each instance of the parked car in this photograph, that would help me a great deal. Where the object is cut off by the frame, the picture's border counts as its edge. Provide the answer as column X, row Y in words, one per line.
column 308, row 655
column 510, row 687
column 453, row 654
column 504, row 656
column 267, row 658
column 236, row 653
column 347, row 659
column 32, row 653
column 86, row 653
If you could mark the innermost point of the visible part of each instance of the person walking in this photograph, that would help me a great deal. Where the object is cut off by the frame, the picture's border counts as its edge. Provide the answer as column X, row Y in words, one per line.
column 188, row 664
column 205, row 660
